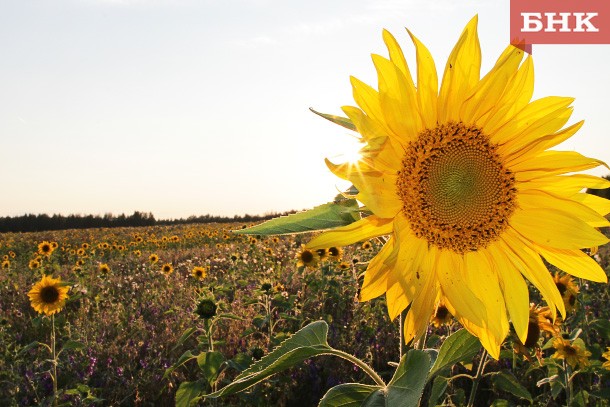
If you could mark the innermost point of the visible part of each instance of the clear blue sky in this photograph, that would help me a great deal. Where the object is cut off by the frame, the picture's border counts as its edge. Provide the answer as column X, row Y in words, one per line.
column 201, row 106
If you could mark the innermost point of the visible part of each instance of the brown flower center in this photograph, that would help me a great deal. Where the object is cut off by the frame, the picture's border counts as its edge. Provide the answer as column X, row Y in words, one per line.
column 49, row 294
column 455, row 190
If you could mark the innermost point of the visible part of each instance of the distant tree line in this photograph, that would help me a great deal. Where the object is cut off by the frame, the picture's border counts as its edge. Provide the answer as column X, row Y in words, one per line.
column 44, row 222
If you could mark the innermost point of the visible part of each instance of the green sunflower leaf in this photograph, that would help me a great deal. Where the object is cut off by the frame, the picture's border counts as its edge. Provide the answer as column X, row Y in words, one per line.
column 406, row 387
column 341, row 121
column 507, row 382
column 72, row 345
column 327, row 216
column 188, row 392
column 458, row 347
column 350, row 395
column 404, row 390
column 210, row 364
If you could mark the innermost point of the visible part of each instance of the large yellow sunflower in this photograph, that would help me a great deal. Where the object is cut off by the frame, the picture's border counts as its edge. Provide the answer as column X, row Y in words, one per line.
column 464, row 184
column 48, row 296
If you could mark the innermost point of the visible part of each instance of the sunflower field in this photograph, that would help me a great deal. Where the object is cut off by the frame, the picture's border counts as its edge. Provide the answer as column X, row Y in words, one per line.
column 128, row 316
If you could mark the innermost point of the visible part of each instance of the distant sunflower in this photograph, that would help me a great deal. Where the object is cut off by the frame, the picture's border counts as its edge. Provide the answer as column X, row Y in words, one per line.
column 322, row 254
column 167, row 269
column 48, row 296
column 573, row 354
column 366, row 246
column 568, row 290
column 606, row 355
column 307, row 258
column 104, row 268
column 45, row 248
column 464, row 185
column 34, row 264
column 199, row 272
column 441, row 316
column 540, row 321
column 344, row 265
column 335, row 253
column 153, row 258
column 6, row 264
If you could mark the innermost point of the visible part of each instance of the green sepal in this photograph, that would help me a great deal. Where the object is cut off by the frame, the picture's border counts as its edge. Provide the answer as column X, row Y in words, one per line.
column 341, row 121
column 326, row 216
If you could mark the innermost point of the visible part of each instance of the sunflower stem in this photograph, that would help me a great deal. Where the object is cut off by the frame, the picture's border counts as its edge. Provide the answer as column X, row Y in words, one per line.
column 401, row 330
column 568, row 380
column 477, row 378
column 366, row 368
column 54, row 357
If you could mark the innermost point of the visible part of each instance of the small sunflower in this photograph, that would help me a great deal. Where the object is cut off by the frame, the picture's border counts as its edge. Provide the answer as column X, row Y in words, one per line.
column 540, row 321
column 45, row 248
column 103, row 269
column 568, row 290
column 307, row 258
column 34, row 264
column 322, row 254
column 464, row 185
column 344, row 265
column 167, row 269
column 206, row 308
column 606, row 355
column 442, row 316
column 366, row 246
column 48, row 296
column 153, row 258
column 335, row 253
column 6, row 264
column 573, row 354
column 199, row 272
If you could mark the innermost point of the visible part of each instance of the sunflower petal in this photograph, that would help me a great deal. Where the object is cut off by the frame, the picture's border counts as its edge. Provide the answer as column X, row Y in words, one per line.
column 517, row 95
column 596, row 203
column 427, row 83
column 529, row 263
column 396, row 300
column 566, row 185
column 524, row 151
column 462, row 73
column 377, row 190
column 421, row 309
column 398, row 99
column 450, row 272
column 553, row 163
column 376, row 275
column 480, row 274
column 366, row 228
column 486, row 94
column 514, row 288
column 538, row 114
column 397, row 57
column 576, row 263
column 534, row 199
column 367, row 99
column 556, row 229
